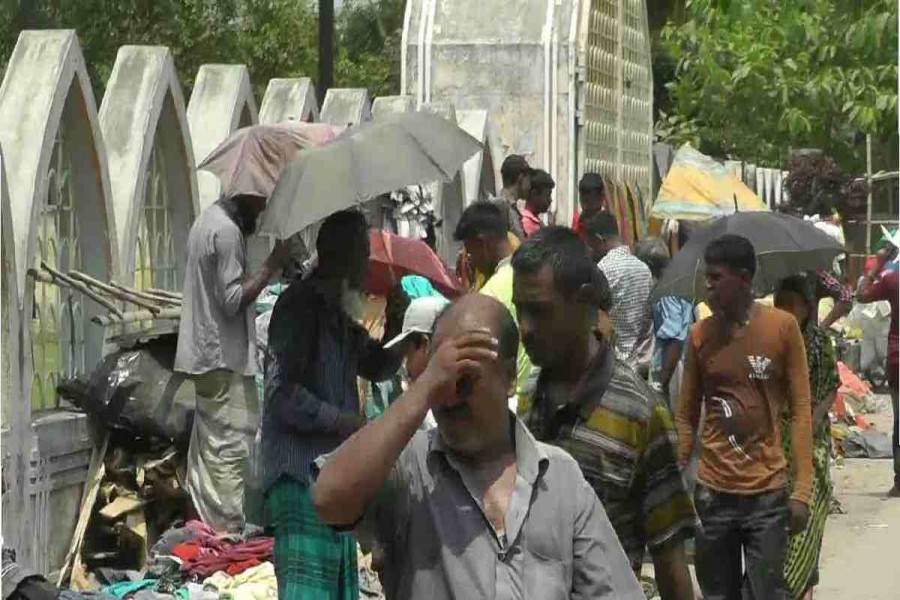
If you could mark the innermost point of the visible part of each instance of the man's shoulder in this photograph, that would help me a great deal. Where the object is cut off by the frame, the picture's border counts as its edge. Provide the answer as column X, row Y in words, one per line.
column 624, row 410
column 629, row 394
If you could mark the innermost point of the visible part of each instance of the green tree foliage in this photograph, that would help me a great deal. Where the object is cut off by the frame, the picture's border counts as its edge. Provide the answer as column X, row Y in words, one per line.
column 274, row 38
column 755, row 78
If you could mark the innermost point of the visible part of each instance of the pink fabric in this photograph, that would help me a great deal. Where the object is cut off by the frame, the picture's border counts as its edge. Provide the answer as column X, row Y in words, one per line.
column 531, row 223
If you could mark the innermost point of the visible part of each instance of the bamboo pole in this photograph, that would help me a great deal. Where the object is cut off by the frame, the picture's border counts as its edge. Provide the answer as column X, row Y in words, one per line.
column 115, row 289
column 129, row 296
column 869, row 193
column 167, row 293
column 58, row 278
column 143, row 295
column 166, row 314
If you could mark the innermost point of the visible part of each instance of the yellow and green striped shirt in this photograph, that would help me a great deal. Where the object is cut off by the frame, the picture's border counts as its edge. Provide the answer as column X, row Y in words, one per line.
column 624, row 439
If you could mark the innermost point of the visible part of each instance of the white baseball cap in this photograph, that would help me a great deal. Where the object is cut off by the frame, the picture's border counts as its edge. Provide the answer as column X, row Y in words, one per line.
column 419, row 317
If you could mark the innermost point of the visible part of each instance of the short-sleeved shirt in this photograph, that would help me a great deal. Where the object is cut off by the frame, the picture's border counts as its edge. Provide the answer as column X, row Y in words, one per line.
column 500, row 288
column 623, row 438
column 556, row 543
column 672, row 319
column 215, row 332
column 886, row 288
column 630, row 283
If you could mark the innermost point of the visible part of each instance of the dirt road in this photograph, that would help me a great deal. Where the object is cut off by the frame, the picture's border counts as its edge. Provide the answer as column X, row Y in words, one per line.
column 861, row 551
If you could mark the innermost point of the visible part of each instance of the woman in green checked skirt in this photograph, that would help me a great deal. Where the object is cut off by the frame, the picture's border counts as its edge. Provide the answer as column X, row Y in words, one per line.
column 801, row 569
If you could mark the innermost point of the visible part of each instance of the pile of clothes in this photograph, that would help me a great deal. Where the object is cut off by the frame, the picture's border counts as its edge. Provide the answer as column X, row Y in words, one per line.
column 193, row 562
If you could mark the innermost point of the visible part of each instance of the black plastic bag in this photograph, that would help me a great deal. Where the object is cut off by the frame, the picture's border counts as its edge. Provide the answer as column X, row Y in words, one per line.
column 138, row 391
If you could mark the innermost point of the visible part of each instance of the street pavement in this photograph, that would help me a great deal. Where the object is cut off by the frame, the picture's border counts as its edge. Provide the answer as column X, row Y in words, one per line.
column 861, row 551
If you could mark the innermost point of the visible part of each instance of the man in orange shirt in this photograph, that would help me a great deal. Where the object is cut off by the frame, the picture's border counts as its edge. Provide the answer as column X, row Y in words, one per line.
column 747, row 365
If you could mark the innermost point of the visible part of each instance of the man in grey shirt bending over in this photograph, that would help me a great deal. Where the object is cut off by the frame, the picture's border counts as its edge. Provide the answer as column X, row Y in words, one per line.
column 475, row 508
column 217, row 350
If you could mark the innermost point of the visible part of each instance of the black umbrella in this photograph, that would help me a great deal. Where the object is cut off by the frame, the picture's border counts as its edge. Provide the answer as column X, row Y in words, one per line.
column 784, row 245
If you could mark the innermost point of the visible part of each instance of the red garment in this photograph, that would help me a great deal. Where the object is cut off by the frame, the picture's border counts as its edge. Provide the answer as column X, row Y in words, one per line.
column 887, row 287
column 576, row 223
column 531, row 223
column 186, row 552
column 228, row 554
column 240, row 567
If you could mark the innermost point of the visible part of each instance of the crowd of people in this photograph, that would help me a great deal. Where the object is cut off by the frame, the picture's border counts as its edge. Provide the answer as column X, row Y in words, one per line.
column 553, row 428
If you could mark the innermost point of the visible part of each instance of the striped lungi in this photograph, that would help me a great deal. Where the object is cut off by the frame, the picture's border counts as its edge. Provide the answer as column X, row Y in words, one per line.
column 312, row 560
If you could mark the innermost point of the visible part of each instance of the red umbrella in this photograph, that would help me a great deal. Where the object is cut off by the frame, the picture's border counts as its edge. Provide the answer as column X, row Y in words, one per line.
column 393, row 256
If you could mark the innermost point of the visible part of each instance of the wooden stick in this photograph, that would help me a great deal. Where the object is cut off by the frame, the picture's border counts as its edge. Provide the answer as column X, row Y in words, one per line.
column 162, row 299
column 130, row 297
column 96, row 471
column 116, row 291
column 57, row 278
column 159, row 292
column 143, row 295
column 167, row 314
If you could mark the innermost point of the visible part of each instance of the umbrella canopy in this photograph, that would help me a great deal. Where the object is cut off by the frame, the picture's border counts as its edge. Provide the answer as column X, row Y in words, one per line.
column 698, row 188
column 391, row 257
column 251, row 160
column 784, row 245
column 365, row 161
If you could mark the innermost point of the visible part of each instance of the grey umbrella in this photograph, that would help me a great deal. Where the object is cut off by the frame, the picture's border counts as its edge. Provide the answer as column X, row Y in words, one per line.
column 784, row 245
column 365, row 161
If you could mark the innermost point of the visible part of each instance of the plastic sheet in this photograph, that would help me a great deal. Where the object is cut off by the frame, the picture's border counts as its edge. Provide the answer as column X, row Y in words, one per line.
column 138, row 391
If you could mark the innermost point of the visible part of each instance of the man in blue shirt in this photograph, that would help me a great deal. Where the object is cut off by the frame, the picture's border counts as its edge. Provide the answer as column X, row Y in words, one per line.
column 672, row 319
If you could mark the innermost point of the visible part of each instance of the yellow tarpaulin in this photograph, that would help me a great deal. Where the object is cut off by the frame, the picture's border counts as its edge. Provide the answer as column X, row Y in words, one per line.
column 697, row 188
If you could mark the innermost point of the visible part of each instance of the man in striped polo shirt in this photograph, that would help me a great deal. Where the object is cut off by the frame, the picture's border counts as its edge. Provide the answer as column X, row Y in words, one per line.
column 597, row 408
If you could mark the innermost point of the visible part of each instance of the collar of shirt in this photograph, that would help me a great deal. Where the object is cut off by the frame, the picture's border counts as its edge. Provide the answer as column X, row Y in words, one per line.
column 586, row 396
column 531, row 462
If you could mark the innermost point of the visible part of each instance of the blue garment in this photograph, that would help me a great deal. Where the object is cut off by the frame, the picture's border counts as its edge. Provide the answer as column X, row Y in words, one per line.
column 672, row 319
column 416, row 286
column 127, row 588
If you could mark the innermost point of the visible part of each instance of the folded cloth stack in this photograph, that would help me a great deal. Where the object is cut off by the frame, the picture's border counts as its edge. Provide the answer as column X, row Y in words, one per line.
column 257, row 583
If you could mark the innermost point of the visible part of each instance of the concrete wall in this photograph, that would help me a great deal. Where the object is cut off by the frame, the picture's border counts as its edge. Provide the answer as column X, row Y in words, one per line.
column 289, row 100
column 222, row 102
column 142, row 113
column 346, row 106
column 14, row 426
column 48, row 121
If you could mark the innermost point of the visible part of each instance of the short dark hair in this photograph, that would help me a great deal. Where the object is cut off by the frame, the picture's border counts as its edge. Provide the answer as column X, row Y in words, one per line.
column 734, row 252
column 481, row 218
column 541, row 179
column 592, row 182
column 513, row 167
column 654, row 253
column 601, row 224
column 796, row 284
column 562, row 250
column 337, row 230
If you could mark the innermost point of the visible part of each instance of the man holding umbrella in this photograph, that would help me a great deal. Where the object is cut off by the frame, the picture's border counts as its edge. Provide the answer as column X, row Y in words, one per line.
column 316, row 351
column 747, row 365
column 217, row 350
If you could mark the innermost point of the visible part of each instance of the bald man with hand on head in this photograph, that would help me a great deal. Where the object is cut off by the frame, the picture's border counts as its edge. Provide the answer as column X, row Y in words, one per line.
column 477, row 507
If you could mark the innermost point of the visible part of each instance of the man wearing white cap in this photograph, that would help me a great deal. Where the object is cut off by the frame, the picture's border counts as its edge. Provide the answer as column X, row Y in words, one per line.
column 418, row 323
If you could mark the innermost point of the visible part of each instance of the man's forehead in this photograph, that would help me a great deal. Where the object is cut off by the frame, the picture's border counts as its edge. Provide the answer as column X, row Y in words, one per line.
column 469, row 314
column 535, row 287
